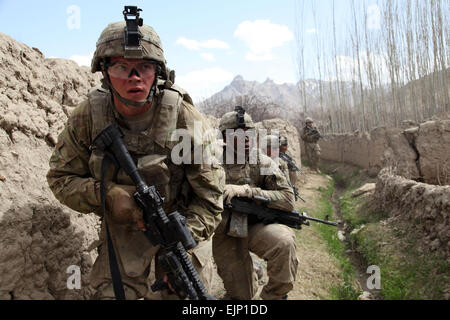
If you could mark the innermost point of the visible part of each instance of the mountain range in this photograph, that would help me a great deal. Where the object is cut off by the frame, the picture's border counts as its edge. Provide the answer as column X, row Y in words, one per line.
column 287, row 96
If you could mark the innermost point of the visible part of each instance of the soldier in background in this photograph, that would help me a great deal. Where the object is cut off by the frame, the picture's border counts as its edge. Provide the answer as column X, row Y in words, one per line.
column 310, row 135
column 292, row 169
column 239, row 234
column 273, row 151
column 138, row 96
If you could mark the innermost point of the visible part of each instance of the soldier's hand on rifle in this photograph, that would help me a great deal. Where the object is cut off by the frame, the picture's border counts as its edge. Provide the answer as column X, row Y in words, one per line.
column 120, row 202
column 232, row 191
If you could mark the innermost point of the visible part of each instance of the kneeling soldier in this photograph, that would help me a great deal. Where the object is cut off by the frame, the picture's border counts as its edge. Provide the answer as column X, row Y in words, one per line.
column 238, row 234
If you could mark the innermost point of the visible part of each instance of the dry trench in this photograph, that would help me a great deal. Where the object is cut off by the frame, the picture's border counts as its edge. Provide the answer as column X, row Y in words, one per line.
column 357, row 260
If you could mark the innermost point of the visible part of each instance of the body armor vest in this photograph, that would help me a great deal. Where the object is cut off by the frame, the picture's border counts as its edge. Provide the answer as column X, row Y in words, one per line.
column 150, row 148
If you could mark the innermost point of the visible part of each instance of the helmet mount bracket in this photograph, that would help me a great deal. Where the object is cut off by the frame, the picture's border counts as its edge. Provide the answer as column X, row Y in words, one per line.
column 132, row 45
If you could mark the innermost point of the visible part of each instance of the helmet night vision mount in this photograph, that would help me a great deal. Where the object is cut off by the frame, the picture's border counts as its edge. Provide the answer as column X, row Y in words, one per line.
column 133, row 47
column 240, row 116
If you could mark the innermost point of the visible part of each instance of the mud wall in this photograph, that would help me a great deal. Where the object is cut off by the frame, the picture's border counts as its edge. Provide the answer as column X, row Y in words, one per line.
column 420, row 153
column 425, row 207
column 39, row 238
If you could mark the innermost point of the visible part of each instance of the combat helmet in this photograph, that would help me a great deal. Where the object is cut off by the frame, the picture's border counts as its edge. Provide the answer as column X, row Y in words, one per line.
column 236, row 119
column 130, row 39
column 308, row 119
column 112, row 43
column 283, row 141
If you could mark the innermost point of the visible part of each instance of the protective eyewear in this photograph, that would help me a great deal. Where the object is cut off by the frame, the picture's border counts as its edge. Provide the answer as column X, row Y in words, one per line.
column 123, row 70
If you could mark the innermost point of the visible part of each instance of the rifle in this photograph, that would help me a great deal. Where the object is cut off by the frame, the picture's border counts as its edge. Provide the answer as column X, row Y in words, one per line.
column 296, row 193
column 292, row 219
column 290, row 162
column 293, row 167
column 316, row 133
column 168, row 231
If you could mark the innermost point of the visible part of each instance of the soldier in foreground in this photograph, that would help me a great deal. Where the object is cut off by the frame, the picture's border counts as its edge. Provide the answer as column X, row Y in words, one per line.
column 310, row 135
column 239, row 234
column 140, row 98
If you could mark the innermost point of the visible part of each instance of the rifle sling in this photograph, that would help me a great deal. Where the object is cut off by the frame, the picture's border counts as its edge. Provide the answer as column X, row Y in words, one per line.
column 116, row 278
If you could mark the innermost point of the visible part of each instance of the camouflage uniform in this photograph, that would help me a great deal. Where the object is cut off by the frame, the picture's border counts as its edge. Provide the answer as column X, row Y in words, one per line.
column 281, row 164
column 238, row 234
column 292, row 174
column 312, row 148
column 196, row 190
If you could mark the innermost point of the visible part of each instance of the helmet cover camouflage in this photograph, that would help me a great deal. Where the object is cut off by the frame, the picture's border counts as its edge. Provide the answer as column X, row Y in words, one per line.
column 283, row 141
column 229, row 121
column 111, row 44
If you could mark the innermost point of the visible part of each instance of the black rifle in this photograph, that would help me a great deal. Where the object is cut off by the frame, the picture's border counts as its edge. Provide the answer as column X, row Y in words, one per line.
column 296, row 193
column 293, row 167
column 168, row 231
column 290, row 162
column 316, row 133
column 292, row 219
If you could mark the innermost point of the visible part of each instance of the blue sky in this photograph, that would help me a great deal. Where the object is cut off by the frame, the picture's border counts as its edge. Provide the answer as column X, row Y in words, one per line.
column 208, row 43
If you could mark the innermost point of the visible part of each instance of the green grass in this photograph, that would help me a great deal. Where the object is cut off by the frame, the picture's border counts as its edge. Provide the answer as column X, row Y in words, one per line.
column 358, row 211
column 348, row 289
column 405, row 273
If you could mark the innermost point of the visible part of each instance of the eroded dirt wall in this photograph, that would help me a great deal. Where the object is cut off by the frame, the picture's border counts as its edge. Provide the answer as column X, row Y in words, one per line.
column 420, row 153
column 39, row 238
column 425, row 207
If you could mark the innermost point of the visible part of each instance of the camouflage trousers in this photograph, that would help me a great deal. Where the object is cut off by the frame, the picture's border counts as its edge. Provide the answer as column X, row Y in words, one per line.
column 274, row 243
column 312, row 151
column 135, row 255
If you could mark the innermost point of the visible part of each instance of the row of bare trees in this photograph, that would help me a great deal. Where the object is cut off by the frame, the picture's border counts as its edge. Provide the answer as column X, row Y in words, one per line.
column 259, row 107
column 388, row 62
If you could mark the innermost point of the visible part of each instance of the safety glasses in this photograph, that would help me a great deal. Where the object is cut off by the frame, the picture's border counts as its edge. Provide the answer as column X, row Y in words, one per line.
column 125, row 70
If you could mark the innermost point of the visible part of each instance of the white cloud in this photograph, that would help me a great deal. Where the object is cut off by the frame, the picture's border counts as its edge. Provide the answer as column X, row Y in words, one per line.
column 261, row 37
column 203, row 83
column 197, row 45
column 83, row 60
column 207, row 56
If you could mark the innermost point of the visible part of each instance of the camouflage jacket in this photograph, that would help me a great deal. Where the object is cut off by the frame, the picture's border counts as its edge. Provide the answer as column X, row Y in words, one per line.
column 308, row 136
column 265, row 179
column 195, row 190
column 283, row 167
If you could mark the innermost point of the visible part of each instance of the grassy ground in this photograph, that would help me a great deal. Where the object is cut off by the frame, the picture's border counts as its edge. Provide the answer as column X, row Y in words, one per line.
column 319, row 206
column 406, row 273
column 326, row 268
column 349, row 288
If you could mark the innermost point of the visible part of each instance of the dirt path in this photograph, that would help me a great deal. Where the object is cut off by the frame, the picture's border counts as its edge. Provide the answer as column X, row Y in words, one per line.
column 317, row 271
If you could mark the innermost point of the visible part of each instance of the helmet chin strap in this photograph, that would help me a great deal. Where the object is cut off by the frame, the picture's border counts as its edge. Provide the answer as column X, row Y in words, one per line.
column 137, row 104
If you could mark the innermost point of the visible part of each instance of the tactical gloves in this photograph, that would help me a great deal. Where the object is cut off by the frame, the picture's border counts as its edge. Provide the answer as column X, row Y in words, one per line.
column 232, row 191
column 120, row 203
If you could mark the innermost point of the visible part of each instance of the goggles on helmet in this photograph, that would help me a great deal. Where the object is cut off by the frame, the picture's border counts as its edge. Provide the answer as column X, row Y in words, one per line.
column 125, row 70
